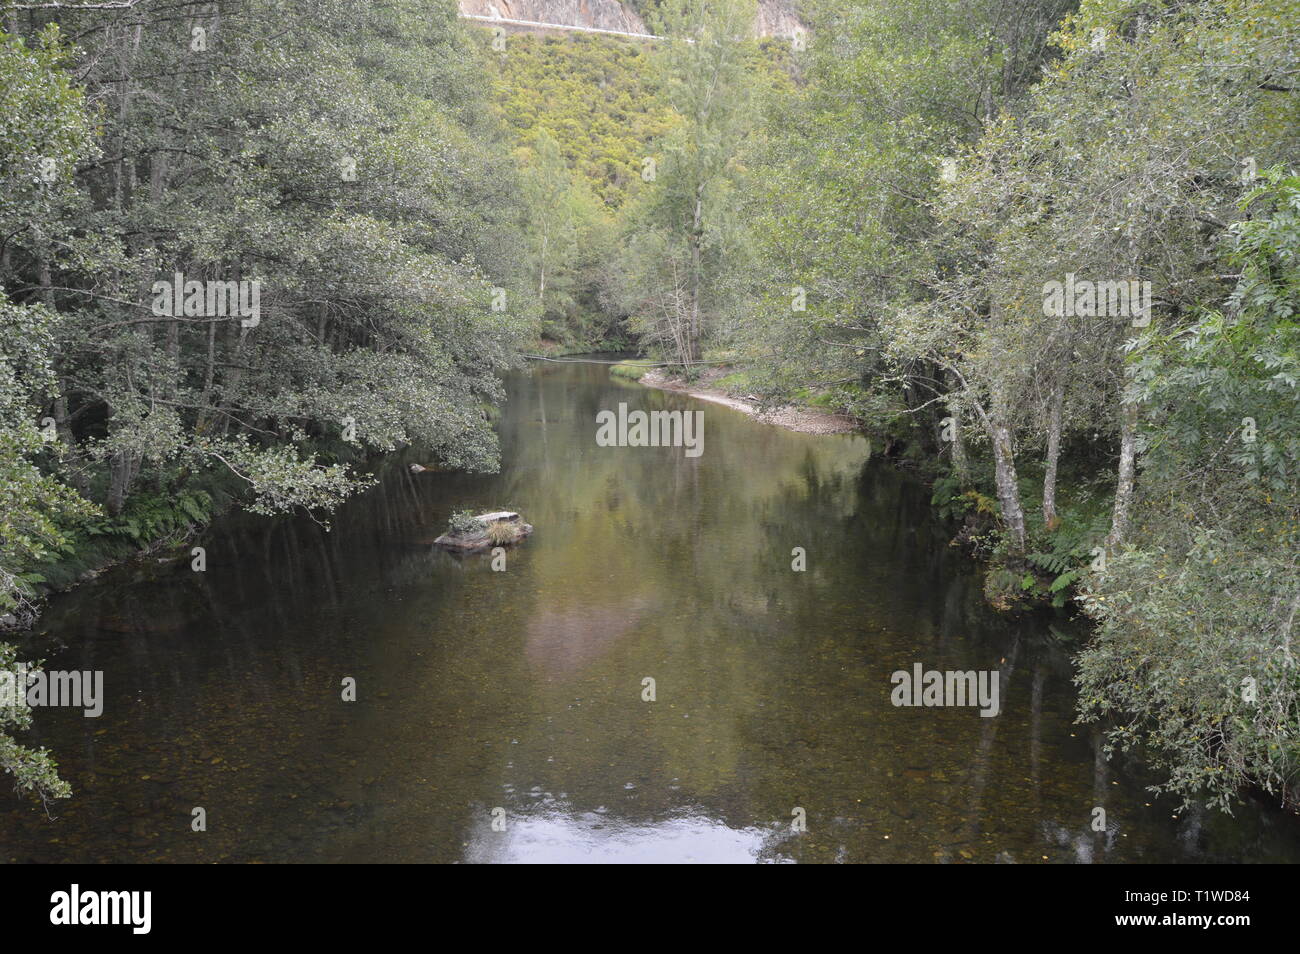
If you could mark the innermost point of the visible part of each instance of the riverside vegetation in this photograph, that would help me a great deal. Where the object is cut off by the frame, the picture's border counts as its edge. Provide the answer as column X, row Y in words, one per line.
column 871, row 219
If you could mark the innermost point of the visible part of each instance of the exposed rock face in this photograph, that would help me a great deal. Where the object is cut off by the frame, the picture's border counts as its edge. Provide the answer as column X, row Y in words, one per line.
column 775, row 17
column 596, row 14
column 778, row 18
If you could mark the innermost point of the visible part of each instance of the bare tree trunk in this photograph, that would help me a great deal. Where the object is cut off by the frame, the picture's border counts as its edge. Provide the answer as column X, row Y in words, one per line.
column 960, row 460
column 697, row 239
column 1004, row 464
column 1004, row 470
column 1053, row 455
column 541, row 286
column 1119, row 521
column 69, row 456
column 121, row 474
column 209, row 374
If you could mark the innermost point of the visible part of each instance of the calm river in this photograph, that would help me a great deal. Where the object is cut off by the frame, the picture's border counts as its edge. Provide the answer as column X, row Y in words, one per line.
column 518, row 695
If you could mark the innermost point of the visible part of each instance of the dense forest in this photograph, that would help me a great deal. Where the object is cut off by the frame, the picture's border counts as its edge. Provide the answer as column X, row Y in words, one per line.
column 1046, row 252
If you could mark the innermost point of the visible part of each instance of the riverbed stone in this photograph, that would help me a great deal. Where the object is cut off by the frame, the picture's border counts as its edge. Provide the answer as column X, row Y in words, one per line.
column 481, row 540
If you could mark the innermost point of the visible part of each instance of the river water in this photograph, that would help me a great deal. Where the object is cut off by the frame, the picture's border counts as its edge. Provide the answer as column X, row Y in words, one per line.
column 489, row 699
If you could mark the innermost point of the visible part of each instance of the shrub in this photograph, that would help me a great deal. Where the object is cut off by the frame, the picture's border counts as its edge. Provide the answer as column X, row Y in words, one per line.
column 464, row 522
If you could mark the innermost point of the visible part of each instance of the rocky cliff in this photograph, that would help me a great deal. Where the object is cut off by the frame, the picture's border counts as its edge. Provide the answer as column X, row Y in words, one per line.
column 775, row 17
column 778, row 18
column 596, row 14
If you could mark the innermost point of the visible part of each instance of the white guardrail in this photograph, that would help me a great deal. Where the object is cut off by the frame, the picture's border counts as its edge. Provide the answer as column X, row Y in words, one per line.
column 556, row 26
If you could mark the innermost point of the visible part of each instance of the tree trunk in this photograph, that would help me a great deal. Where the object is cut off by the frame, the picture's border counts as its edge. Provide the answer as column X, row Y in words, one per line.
column 1053, row 455
column 541, row 285
column 70, row 458
column 121, row 475
column 697, row 239
column 1004, row 471
column 1004, row 464
column 1127, row 469
column 960, row 461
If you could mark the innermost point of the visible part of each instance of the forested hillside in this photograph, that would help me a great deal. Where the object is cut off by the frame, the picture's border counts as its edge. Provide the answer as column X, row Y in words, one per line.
column 597, row 97
column 597, row 124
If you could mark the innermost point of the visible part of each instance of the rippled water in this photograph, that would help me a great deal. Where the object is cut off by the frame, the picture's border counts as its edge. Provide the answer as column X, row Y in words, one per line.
column 522, row 690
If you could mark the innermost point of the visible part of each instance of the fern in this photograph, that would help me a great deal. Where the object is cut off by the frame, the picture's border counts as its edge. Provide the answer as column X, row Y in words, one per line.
column 1062, row 581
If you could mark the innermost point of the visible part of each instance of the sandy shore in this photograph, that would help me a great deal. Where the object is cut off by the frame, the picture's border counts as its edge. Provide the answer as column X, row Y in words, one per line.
column 805, row 420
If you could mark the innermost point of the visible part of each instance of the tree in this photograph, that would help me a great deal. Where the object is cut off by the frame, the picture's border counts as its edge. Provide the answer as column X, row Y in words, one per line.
column 565, row 229
column 679, row 231
column 44, row 132
column 1194, row 657
column 848, row 180
column 373, row 208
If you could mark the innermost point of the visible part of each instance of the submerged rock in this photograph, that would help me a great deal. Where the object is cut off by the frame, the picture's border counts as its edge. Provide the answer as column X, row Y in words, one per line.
column 499, row 528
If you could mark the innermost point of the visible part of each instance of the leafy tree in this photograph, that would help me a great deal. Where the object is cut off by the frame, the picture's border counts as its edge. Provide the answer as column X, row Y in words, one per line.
column 1194, row 657
column 680, row 231
column 44, row 131
column 567, row 230
column 849, row 277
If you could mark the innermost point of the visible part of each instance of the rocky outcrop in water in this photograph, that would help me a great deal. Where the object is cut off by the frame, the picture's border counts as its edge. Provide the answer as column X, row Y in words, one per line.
column 496, row 529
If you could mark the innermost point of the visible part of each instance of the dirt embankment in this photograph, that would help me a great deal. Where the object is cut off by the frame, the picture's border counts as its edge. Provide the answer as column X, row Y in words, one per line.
column 805, row 420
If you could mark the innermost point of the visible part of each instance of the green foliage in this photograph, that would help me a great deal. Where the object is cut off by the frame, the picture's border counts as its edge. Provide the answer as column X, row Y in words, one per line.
column 1194, row 656
column 845, row 171
column 597, row 97
column 355, row 173
column 601, row 137
column 465, row 523
column 567, row 232
column 912, row 199
column 33, row 770
column 1066, row 553
column 953, row 500
column 45, row 131
column 149, row 518
column 669, row 274
column 33, row 503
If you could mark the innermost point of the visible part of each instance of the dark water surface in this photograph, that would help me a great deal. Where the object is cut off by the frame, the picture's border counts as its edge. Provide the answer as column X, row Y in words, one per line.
column 522, row 690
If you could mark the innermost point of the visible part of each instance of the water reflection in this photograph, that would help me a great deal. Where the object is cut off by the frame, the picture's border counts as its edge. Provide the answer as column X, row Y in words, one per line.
column 553, row 835
column 523, row 689
column 560, row 641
